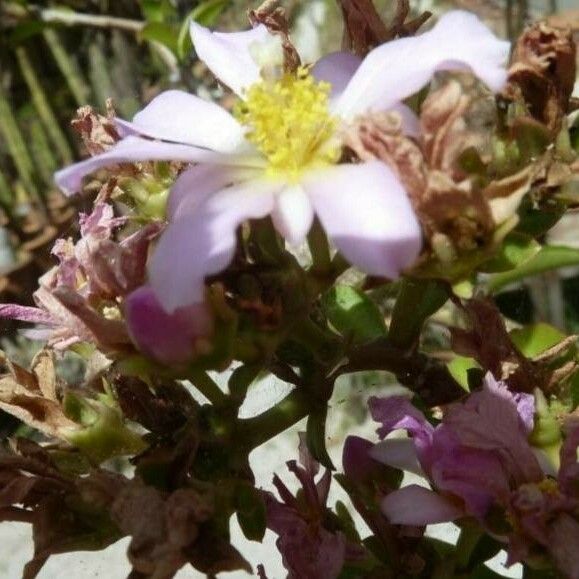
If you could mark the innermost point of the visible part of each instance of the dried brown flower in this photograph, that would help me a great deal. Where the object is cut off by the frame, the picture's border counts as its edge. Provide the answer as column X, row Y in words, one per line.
column 542, row 73
column 364, row 29
column 98, row 132
column 273, row 17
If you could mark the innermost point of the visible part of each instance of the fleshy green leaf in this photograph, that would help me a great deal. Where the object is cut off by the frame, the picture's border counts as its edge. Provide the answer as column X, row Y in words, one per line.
column 459, row 367
column 517, row 249
column 251, row 512
column 549, row 258
column 536, row 338
column 353, row 313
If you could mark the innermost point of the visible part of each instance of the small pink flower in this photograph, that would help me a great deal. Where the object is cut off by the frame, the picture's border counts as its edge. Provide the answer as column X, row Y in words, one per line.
column 479, row 457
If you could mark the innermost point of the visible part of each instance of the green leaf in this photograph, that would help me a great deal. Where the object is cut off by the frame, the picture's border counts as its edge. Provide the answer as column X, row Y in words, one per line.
column 516, row 249
column 158, row 10
column 104, row 433
column 162, row 33
column 417, row 300
column 353, row 313
column 534, row 339
column 206, row 13
column 241, row 380
column 459, row 367
column 536, row 221
column 316, row 438
column 549, row 258
column 251, row 512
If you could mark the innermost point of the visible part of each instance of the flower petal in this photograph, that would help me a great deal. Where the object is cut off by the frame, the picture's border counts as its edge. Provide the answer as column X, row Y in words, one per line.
column 194, row 185
column 368, row 216
column 169, row 338
column 227, row 54
column 293, row 214
column 399, row 453
column 397, row 69
column 133, row 149
column 25, row 314
column 184, row 118
column 417, row 506
column 336, row 68
column 196, row 246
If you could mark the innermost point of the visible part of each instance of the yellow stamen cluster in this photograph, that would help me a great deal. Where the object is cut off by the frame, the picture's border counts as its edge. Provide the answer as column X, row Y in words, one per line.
column 290, row 124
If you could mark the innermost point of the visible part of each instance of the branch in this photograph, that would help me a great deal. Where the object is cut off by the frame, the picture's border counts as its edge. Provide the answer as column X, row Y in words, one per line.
column 430, row 379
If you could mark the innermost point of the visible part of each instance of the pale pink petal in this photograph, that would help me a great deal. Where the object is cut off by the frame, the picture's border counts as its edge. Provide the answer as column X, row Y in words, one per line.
column 399, row 453
column 395, row 70
column 200, row 245
column 131, row 150
column 417, row 506
column 336, row 68
column 194, row 185
column 184, row 118
column 227, row 54
column 368, row 216
column 293, row 214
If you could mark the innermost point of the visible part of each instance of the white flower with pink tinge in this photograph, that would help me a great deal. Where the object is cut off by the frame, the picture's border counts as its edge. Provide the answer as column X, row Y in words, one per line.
column 279, row 153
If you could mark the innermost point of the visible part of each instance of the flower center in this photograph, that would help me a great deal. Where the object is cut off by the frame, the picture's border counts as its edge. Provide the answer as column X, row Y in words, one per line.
column 290, row 123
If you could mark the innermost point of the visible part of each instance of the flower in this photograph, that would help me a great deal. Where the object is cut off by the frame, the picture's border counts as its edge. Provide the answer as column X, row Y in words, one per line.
column 77, row 299
column 309, row 550
column 479, row 459
column 279, row 153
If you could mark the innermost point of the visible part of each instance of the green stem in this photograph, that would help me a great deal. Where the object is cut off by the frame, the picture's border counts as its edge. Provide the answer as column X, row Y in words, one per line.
column 256, row 431
column 45, row 112
column 68, row 67
column 319, row 248
column 207, row 387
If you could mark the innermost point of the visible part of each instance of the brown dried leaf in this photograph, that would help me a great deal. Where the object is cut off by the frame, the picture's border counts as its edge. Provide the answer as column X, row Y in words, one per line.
column 488, row 342
column 32, row 398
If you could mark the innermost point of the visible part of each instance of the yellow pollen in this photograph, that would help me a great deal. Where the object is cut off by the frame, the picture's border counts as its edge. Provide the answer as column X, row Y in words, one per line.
column 548, row 486
column 290, row 123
